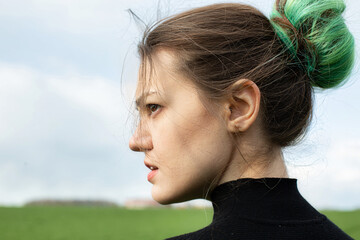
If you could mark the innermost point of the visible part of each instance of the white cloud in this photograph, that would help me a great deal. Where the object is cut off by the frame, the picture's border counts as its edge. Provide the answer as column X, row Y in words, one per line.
column 332, row 181
column 26, row 95
column 78, row 17
column 97, row 95
column 63, row 136
column 99, row 16
column 66, row 134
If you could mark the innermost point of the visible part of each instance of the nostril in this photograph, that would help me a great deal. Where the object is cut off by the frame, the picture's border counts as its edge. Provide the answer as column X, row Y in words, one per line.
column 134, row 141
column 140, row 141
column 133, row 146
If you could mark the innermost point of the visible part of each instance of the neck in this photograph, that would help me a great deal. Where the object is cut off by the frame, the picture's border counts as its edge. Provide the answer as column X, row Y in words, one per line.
column 246, row 165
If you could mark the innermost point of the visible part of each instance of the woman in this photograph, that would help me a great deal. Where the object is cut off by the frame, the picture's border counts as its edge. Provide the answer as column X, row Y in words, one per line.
column 222, row 89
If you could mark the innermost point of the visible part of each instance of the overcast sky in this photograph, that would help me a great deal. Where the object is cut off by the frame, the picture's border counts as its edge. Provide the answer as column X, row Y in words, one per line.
column 68, row 71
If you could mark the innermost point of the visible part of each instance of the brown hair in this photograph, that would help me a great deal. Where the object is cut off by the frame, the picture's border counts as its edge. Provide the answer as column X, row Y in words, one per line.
column 221, row 43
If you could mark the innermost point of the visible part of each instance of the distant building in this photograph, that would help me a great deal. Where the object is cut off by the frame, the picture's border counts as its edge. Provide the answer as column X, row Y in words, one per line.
column 73, row 202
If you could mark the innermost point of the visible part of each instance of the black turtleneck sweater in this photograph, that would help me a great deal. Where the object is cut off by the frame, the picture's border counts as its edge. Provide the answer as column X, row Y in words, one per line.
column 268, row 208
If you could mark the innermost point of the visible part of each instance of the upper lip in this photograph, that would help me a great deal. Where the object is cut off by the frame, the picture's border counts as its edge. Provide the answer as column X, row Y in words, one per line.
column 150, row 166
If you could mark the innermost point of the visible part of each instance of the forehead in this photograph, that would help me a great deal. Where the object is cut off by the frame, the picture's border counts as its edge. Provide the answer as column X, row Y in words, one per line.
column 155, row 73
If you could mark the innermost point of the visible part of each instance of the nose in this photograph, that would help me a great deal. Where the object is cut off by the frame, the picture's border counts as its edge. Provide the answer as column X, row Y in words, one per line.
column 140, row 141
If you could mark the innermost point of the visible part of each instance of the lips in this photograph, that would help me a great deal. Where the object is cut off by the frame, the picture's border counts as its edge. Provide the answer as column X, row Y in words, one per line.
column 150, row 166
column 153, row 171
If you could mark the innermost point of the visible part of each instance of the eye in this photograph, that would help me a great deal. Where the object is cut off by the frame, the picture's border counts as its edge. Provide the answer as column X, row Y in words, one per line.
column 152, row 108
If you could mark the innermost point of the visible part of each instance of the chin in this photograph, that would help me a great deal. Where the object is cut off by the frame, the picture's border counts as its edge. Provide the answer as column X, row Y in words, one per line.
column 164, row 201
column 163, row 198
column 167, row 197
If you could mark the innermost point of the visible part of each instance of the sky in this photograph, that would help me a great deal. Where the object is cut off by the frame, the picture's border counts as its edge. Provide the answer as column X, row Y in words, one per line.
column 68, row 72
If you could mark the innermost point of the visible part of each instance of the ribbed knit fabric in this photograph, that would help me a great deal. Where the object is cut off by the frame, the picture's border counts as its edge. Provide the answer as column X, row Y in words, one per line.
column 266, row 209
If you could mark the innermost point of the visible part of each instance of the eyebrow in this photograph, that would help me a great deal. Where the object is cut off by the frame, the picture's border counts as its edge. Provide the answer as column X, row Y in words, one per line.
column 143, row 96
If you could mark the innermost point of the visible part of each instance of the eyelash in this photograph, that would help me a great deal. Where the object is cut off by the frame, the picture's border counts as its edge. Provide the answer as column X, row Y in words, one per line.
column 150, row 105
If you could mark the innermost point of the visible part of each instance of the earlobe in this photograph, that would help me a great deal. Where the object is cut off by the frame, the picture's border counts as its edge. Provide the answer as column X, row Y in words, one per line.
column 242, row 106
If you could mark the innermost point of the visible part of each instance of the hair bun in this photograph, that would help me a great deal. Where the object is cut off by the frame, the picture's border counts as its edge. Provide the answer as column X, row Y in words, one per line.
column 316, row 35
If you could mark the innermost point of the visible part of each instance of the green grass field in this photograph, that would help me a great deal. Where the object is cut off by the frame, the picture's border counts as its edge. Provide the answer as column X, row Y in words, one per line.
column 77, row 223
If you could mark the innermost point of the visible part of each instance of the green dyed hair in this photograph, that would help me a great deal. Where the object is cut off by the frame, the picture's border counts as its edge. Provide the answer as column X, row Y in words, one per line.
column 316, row 36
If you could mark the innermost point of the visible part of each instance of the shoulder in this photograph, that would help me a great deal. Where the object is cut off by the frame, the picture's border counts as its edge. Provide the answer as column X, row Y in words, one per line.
column 321, row 228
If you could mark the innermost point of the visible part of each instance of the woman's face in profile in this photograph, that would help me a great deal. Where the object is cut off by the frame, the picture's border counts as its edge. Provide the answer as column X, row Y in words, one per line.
column 188, row 145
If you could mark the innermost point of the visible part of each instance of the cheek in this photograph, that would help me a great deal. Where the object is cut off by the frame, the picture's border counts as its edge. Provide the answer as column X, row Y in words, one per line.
column 209, row 148
column 191, row 148
column 190, row 158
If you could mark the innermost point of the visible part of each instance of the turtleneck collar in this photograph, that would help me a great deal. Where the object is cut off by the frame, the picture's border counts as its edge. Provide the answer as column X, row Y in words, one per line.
column 265, row 198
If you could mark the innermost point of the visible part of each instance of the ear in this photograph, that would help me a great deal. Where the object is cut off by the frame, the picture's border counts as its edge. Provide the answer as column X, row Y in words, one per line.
column 242, row 105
